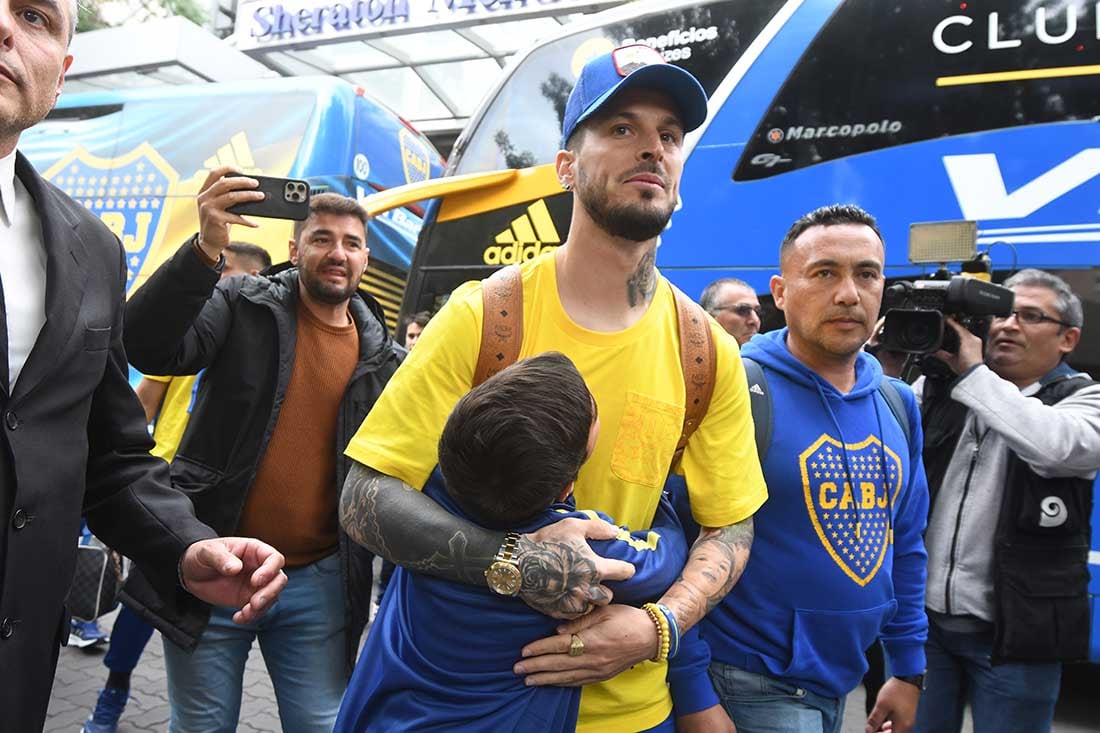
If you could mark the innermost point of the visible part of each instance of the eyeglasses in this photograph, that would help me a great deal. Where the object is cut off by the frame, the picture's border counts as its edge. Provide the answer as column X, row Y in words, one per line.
column 741, row 309
column 1032, row 317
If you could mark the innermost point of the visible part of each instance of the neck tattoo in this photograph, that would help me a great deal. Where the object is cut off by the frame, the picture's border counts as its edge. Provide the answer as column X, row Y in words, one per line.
column 642, row 283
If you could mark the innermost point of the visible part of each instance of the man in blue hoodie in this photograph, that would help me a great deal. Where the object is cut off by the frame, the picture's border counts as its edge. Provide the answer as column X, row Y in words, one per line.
column 839, row 562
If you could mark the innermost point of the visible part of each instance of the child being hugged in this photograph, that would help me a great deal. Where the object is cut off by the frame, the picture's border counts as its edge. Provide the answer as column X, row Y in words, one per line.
column 439, row 655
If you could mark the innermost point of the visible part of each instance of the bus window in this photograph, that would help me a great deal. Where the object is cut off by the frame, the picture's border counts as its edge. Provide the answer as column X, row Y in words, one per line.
column 522, row 126
column 926, row 70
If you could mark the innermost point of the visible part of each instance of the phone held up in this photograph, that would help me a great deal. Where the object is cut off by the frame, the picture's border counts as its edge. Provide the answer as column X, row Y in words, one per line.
column 284, row 198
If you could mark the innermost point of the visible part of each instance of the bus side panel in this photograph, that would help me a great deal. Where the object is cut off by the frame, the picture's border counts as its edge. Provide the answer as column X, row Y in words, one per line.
column 146, row 180
column 1051, row 223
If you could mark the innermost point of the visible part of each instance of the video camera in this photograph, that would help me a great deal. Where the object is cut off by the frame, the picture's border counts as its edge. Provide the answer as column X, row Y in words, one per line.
column 915, row 312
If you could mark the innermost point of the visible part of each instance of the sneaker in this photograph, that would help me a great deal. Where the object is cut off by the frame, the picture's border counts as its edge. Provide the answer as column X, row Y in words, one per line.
column 108, row 709
column 85, row 634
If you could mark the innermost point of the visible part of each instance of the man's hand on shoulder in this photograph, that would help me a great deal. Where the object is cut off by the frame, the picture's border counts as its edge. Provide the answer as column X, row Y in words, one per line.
column 239, row 572
column 612, row 639
column 217, row 195
column 562, row 576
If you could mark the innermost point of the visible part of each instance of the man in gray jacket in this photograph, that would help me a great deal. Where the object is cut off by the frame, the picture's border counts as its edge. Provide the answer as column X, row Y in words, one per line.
column 1012, row 446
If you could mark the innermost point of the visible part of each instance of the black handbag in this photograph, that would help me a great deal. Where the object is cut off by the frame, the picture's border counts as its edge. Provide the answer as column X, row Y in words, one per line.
column 96, row 582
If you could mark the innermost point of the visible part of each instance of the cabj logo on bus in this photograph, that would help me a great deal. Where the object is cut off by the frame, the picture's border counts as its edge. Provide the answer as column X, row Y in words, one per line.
column 127, row 193
column 414, row 158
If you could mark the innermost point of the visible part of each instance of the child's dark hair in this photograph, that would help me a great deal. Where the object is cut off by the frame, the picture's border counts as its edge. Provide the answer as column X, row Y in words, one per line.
column 514, row 442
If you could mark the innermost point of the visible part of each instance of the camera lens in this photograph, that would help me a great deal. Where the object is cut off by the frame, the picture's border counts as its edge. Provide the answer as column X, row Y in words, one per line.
column 918, row 334
column 913, row 331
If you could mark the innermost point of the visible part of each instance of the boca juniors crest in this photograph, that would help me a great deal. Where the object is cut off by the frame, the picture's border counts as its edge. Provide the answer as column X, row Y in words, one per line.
column 850, row 491
column 414, row 158
column 127, row 193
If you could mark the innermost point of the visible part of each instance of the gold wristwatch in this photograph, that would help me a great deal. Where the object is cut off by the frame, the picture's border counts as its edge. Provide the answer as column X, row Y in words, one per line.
column 503, row 574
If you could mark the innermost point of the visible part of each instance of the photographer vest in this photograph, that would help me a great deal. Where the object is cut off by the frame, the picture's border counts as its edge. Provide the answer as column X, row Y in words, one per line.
column 1040, row 567
column 502, row 336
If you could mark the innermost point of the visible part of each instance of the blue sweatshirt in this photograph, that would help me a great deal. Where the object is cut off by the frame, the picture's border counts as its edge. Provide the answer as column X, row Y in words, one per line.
column 838, row 558
column 439, row 654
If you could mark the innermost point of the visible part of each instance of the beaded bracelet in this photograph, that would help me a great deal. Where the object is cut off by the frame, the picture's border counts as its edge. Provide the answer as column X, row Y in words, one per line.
column 661, row 623
column 673, row 630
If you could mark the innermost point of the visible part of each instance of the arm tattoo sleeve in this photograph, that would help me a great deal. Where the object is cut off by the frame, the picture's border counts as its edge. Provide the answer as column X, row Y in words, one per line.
column 394, row 520
column 714, row 566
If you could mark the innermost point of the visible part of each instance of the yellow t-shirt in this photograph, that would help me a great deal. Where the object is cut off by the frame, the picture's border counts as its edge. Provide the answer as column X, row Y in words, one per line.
column 175, row 411
column 636, row 378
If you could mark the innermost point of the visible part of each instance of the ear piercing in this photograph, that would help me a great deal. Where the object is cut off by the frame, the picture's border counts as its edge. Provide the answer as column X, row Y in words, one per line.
column 566, row 186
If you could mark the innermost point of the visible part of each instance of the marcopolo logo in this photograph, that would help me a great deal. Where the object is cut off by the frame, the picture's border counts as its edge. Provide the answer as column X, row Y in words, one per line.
column 857, row 129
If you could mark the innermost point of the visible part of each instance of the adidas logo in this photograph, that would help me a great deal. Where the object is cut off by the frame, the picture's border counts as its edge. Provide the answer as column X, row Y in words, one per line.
column 236, row 153
column 529, row 236
column 755, row 389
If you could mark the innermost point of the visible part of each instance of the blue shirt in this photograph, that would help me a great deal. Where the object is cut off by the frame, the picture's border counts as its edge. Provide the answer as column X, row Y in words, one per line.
column 439, row 655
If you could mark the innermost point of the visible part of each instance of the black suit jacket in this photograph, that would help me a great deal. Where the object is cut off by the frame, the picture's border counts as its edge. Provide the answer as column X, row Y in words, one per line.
column 74, row 439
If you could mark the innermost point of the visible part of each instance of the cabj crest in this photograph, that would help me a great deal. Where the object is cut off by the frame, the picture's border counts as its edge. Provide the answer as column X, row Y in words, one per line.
column 414, row 158
column 127, row 193
column 850, row 492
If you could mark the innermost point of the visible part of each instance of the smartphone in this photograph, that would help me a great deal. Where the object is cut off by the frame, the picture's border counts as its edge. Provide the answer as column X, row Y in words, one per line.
column 284, row 198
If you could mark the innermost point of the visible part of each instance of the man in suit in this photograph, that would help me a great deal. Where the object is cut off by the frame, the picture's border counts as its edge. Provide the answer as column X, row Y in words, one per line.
column 72, row 431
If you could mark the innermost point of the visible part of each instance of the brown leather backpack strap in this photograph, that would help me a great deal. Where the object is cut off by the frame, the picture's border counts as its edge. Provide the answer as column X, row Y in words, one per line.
column 502, row 322
column 699, row 363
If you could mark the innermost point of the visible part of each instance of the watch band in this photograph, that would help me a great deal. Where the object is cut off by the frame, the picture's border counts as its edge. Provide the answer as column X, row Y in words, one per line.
column 507, row 551
column 914, row 679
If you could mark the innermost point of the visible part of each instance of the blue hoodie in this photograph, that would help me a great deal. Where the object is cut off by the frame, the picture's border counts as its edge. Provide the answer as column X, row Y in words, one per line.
column 833, row 569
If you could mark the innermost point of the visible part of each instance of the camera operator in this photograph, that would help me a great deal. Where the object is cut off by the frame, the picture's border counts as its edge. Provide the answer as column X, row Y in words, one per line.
column 1011, row 450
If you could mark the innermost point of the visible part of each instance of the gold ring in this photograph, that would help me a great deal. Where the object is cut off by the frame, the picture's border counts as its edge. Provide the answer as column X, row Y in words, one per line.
column 576, row 646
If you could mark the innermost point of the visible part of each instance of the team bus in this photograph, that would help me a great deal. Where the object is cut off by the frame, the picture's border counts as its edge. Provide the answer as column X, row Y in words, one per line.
column 138, row 157
column 917, row 110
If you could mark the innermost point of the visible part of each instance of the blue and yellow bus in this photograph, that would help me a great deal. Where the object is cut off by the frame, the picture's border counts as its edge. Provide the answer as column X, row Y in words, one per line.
column 918, row 111
column 137, row 158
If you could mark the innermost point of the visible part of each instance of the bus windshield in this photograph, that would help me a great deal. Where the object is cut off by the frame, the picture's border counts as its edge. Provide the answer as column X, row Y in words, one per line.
column 521, row 126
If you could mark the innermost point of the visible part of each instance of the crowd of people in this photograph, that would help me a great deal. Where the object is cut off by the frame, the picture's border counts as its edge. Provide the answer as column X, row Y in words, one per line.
column 568, row 472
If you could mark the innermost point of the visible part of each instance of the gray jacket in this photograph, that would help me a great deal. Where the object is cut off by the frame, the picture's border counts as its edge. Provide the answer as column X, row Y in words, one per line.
column 1058, row 440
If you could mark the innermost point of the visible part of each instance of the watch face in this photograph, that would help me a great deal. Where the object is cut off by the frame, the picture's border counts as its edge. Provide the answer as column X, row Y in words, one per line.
column 503, row 578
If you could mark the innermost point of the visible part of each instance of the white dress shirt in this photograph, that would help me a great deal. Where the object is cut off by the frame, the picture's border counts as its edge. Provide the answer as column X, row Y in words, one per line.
column 22, row 268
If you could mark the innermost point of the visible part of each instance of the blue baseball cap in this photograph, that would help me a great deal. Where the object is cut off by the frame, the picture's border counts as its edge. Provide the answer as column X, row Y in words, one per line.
column 629, row 67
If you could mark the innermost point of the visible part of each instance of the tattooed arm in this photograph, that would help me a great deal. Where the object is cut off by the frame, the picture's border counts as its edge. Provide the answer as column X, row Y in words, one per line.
column 394, row 520
column 714, row 566
column 618, row 637
column 561, row 574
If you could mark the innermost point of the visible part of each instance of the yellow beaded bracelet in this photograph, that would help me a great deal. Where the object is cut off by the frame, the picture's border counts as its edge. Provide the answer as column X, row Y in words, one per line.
column 661, row 623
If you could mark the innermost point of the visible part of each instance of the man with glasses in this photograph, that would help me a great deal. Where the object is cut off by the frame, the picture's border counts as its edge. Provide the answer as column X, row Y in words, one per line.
column 734, row 304
column 1012, row 446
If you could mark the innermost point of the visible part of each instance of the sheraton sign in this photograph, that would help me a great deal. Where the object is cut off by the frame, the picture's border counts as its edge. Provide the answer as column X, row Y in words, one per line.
column 268, row 23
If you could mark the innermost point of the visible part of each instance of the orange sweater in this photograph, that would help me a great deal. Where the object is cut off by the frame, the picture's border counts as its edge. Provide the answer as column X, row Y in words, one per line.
column 292, row 502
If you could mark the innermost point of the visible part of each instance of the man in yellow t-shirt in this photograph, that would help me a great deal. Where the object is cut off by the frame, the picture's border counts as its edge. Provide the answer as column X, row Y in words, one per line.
column 600, row 300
